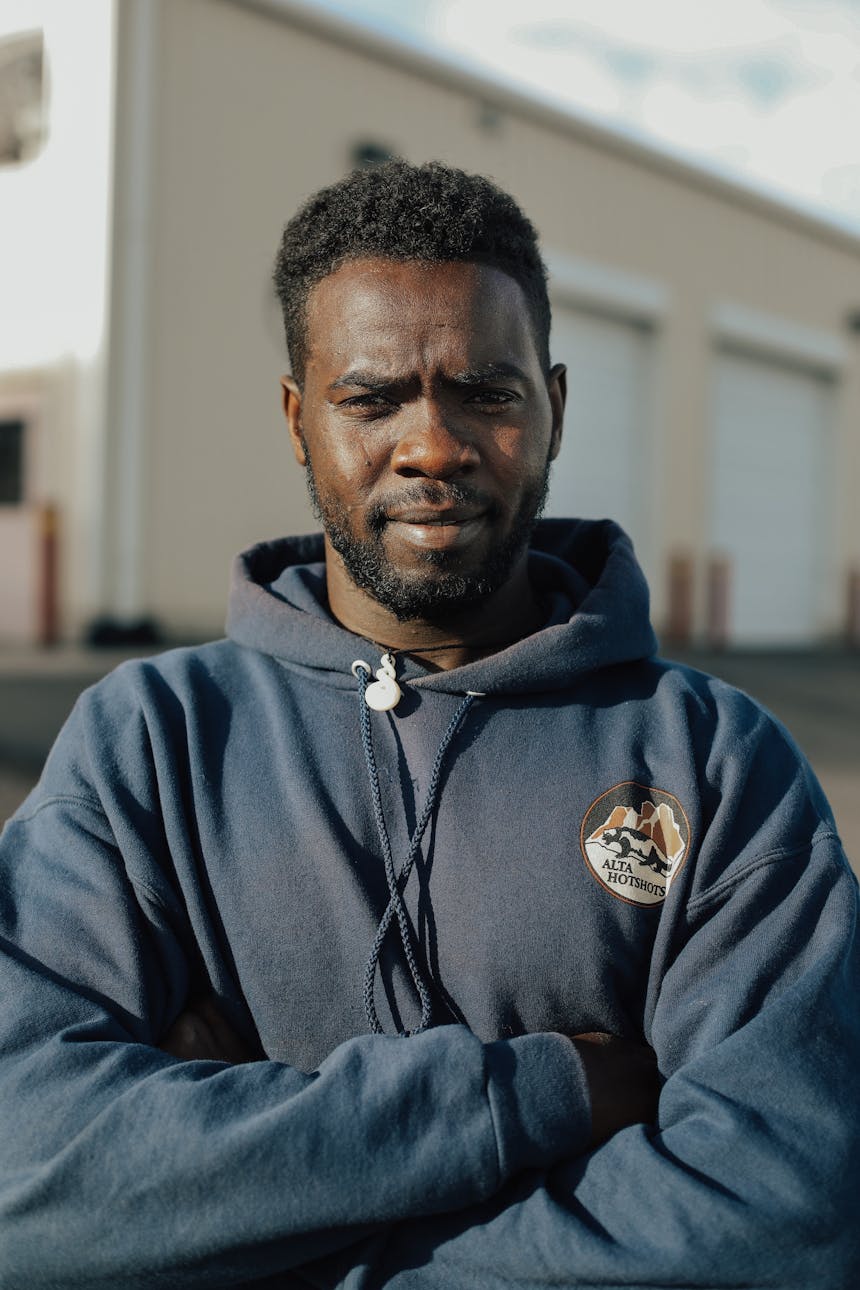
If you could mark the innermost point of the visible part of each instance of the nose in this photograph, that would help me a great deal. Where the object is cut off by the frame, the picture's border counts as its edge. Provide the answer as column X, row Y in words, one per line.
column 431, row 446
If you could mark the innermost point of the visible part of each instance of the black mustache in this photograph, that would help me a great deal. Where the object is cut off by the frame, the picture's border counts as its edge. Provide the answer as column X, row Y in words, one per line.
column 428, row 492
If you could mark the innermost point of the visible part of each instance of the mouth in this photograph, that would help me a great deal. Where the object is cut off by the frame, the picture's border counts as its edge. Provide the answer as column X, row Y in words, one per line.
column 437, row 528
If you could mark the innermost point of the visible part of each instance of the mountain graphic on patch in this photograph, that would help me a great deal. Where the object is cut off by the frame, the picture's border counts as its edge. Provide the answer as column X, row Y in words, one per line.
column 634, row 840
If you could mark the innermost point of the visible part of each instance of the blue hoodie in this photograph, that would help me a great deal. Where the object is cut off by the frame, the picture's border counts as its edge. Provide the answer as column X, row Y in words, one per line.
column 617, row 844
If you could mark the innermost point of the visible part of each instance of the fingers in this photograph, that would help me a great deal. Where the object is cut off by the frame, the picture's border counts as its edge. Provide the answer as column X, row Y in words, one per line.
column 228, row 1043
column 191, row 1039
column 623, row 1082
column 200, row 1033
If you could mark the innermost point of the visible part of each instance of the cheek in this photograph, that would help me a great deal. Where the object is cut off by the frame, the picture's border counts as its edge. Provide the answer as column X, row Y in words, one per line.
column 520, row 454
column 341, row 462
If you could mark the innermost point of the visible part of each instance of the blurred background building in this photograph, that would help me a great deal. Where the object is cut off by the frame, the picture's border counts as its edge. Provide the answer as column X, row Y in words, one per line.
column 150, row 153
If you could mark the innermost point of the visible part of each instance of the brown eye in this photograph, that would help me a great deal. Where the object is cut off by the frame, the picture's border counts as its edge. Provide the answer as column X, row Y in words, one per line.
column 492, row 398
column 369, row 403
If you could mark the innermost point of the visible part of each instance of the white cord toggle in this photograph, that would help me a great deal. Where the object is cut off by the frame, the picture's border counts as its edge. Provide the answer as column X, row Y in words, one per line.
column 384, row 693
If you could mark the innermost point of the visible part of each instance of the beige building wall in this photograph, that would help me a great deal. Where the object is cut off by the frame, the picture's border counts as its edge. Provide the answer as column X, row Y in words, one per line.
column 54, row 267
column 252, row 112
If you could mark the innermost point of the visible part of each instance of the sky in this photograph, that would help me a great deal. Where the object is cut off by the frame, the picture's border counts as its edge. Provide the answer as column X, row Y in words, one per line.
column 762, row 91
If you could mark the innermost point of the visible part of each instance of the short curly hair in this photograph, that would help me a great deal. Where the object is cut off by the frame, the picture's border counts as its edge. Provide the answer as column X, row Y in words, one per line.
column 432, row 212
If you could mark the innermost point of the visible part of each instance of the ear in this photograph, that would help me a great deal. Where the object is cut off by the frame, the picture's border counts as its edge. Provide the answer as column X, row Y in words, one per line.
column 291, row 398
column 557, row 390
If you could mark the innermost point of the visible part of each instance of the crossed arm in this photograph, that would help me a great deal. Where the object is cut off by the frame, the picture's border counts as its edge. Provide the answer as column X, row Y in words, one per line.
column 437, row 1161
column 621, row 1075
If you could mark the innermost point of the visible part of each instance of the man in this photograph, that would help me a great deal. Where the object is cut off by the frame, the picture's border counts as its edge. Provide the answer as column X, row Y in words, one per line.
column 437, row 842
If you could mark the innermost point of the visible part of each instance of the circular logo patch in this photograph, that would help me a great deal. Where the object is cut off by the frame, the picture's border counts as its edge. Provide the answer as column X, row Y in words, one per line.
column 634, row 840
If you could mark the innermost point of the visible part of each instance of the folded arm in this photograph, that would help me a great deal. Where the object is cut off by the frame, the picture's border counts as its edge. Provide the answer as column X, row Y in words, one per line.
column 751, row 1175
column 140, row 1164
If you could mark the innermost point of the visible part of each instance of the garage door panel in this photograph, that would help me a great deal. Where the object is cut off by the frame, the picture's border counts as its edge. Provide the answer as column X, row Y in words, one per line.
column 770, row 431
column 599, row 469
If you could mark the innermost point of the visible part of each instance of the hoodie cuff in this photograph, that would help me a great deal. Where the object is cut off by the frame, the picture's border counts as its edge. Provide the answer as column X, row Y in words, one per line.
column 539, row 1101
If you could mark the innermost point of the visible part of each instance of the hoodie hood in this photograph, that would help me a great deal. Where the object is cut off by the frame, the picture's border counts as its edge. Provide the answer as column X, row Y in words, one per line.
column 585, row 571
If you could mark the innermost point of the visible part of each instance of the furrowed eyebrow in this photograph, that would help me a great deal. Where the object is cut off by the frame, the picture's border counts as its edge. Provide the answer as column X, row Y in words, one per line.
column 488, row 372
column 361, row 381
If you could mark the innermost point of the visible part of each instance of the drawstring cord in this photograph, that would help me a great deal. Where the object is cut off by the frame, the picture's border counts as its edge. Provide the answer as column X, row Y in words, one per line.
column 397, row 883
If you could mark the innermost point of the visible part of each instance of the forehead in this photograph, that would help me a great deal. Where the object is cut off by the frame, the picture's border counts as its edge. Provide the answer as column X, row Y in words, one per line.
column 389, row 312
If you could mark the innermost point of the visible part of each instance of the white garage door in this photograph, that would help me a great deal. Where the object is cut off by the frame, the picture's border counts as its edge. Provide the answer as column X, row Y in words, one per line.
column 768, row 513
column 603, row 462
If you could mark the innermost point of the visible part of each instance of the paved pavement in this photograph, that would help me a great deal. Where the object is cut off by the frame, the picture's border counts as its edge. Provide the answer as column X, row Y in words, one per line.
column 817, row 695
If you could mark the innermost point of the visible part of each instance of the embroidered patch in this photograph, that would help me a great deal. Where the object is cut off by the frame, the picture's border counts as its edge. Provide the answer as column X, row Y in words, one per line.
column 634, row 840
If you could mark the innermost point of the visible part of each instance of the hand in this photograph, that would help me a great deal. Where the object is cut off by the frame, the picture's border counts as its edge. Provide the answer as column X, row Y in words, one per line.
column 200, row 1033
column 623, row 1081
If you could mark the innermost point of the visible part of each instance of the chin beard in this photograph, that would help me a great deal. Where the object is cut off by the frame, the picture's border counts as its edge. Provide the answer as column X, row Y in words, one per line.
column 438, row 591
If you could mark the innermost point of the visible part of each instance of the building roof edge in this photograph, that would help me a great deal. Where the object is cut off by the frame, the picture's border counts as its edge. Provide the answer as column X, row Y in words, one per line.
column 629, row 145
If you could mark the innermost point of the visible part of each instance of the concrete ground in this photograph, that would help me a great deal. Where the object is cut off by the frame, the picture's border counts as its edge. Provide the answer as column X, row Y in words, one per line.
column 817, row 695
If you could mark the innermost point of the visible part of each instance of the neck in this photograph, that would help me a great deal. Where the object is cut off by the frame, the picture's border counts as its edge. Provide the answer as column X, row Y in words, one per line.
column 470, row 633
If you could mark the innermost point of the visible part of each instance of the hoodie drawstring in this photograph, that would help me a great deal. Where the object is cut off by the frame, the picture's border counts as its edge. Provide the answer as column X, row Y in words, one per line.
column 397, row 882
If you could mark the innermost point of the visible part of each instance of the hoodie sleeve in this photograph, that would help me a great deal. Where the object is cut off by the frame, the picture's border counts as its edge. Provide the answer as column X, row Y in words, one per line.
column 123, row 1165
column 752, row 1175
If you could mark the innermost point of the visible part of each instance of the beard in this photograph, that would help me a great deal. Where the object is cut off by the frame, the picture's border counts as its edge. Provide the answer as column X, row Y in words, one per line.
column 438, row 590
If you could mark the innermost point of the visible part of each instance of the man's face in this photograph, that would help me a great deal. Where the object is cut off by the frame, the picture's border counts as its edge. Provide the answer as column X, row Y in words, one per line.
column 426, row 426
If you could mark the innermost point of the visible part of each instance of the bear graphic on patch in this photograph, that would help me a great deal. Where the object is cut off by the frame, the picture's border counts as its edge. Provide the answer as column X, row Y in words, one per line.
column 646, row 851
column 634, row 840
